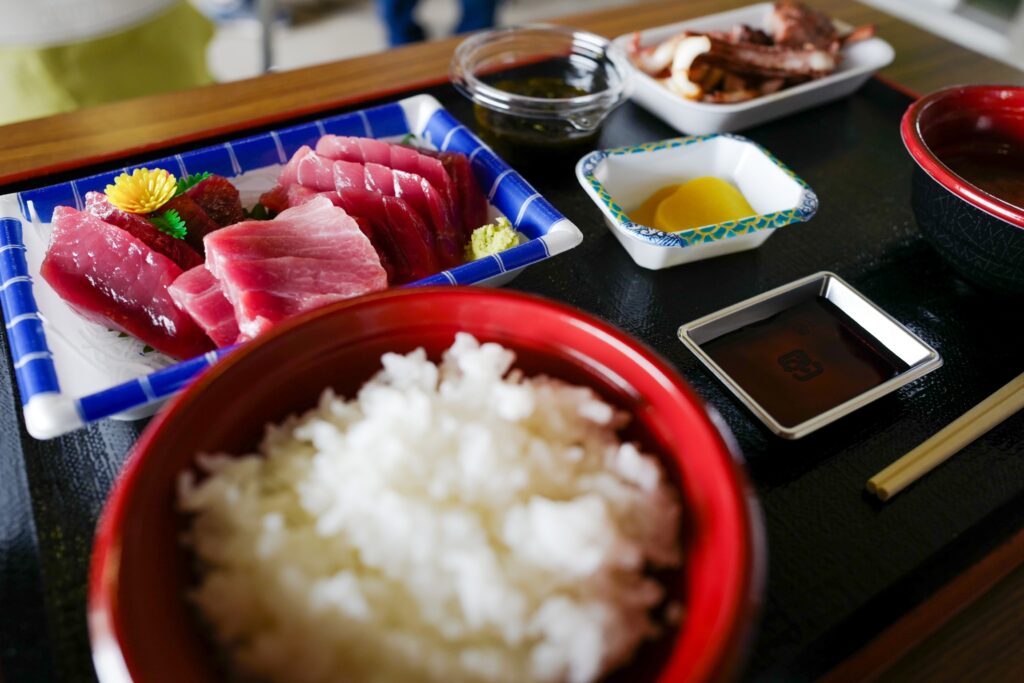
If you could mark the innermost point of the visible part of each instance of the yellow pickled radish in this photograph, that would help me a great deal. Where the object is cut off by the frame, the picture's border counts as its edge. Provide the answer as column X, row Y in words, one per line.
column 644, row 215
column 699, row 202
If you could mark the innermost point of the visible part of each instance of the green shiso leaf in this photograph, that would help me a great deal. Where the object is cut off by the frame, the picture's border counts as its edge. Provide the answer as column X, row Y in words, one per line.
column 188, row 182
column 170, row 222
column 259, row 213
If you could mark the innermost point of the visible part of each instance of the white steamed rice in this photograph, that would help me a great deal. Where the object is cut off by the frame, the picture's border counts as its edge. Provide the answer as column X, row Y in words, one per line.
column 451, row 523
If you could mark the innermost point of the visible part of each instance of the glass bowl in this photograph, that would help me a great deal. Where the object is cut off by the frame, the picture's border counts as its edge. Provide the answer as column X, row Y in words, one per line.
column 539, row 90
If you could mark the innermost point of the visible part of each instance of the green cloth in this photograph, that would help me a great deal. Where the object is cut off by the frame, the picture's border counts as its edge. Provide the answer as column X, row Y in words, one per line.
column 168, row 52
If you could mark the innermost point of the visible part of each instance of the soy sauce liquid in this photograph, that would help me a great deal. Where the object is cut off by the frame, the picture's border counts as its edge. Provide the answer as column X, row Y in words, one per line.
column 804, row 360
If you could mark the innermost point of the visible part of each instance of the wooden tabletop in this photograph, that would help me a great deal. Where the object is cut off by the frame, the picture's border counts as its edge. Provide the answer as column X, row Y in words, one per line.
column 923, row 62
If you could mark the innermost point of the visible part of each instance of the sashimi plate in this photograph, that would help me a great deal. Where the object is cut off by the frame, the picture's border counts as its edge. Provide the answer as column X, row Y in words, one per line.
column 71, row 372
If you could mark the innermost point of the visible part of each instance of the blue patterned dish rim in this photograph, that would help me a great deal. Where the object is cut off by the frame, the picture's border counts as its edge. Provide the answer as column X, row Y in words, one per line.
column 49, row 412
column 805, row 209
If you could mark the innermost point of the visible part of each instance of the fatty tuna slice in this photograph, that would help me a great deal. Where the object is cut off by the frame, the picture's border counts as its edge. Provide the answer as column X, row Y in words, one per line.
column 309, row 256
column 297, row 194
column 290, row 172
column 97, row 204
column 199, row 294
column 398, row 233
column 219, row 199
column 309, row 169
column 114, row 279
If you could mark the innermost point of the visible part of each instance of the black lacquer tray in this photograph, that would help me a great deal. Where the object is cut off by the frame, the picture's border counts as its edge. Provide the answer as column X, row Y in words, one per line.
column 841, row 566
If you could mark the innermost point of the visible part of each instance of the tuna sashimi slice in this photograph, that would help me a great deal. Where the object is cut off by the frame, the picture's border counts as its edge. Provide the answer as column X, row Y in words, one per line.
column 310, row 255
column 290, row 172
column 199, row 294
column 297, row 194
column 197, row 222
column 219, row 199
column 177, row 250
column 471, row 200
column 114, row 279
column 397, row 157
column 413, row 189
column 403, row 234
column 308, row 168
column 275, row 200
column 422, row 196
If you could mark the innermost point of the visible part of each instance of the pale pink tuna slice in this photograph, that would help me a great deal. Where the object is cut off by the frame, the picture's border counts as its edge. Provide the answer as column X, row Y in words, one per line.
column 308, row 256
column 290, row 172
column 379, row 178
column 297, row 194
column 308, row 168
column 348, row 174
column 199, row 294
column 399, row 235
column 316, row 172
column 114, row 279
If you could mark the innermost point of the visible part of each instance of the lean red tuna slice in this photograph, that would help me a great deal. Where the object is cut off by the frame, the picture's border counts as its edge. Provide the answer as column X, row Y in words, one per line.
column 413, row 189
column 219, row 199
column 197, row 222
column 114, row 279
column 275, row 200
column 472, row 203
column 404, row 235
column 309, row 256
column 199, row 294
column 297, row 194
column 177, row 250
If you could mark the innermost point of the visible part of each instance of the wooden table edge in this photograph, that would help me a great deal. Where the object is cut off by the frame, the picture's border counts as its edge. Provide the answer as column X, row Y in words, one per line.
column 246, row 125
column 914, row 627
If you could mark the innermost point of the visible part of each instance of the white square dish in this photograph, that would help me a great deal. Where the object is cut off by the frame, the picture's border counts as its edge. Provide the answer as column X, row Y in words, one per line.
column 626, row 176
column 859, row 61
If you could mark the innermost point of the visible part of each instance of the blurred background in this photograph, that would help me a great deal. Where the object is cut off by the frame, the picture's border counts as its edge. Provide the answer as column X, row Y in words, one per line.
column 56, row 55
column 314, row 31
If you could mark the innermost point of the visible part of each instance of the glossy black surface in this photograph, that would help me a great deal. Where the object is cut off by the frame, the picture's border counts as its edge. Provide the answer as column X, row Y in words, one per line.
column 841, row 565
column 985, row 249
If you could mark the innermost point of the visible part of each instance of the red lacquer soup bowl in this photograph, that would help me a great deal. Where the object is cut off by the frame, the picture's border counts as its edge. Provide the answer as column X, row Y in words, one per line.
column 968, row 142
column 142, row 626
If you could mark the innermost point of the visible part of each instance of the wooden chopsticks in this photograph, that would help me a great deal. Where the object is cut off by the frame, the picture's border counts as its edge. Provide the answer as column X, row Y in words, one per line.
column 957, row 434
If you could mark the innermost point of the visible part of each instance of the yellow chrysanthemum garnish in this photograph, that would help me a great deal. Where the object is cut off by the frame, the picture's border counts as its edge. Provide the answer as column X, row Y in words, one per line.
column 144, row 191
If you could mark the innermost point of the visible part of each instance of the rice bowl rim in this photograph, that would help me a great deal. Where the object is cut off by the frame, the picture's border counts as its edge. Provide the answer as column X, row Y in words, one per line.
column 728, row 636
